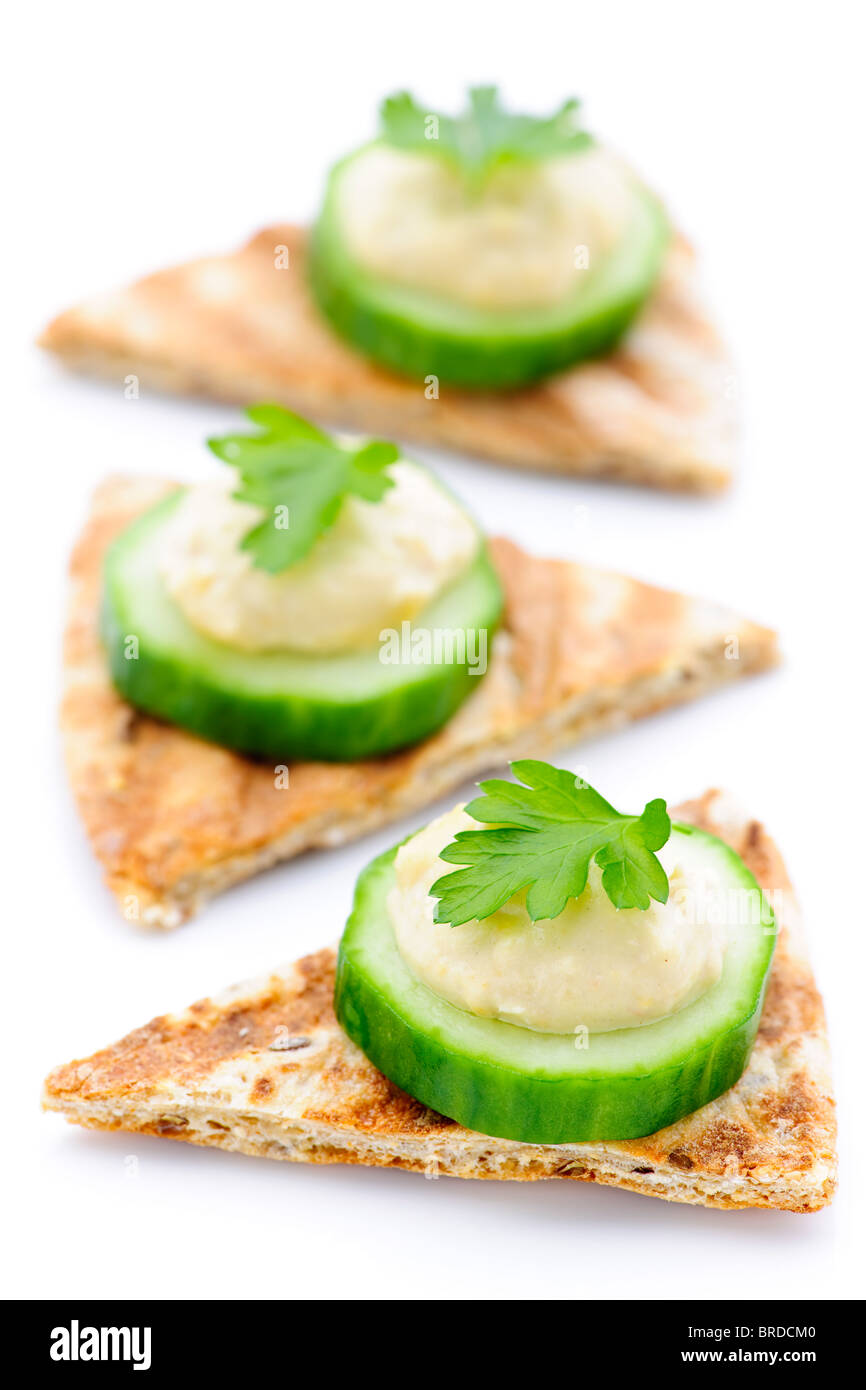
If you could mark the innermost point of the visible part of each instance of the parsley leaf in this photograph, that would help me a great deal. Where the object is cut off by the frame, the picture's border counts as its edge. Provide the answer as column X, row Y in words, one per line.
column 545, row 837
column 484, row 136
column 300, row 476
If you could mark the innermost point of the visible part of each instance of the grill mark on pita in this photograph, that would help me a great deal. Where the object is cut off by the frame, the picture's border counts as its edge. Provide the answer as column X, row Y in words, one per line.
column 129, row 724
column 659, row 386
column 535, row 627
column 646, row 621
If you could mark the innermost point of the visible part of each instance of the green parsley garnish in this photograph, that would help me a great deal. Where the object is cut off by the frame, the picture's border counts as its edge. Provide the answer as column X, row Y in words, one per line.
column 547, row 833
column 484, row 136
column 300, row 476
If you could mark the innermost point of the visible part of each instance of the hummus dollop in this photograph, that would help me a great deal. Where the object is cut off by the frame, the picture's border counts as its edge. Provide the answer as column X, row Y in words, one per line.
column 379, row 564
column 526, row 239
column 592, row 967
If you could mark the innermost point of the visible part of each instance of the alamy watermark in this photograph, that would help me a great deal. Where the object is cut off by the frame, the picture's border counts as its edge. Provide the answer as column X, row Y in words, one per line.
column 438, row 646
column 77, row 1343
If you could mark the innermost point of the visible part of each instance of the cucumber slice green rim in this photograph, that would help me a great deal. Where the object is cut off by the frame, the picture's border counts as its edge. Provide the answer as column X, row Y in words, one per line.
column 418, row 334
column 503, row 1080
column 282, row 705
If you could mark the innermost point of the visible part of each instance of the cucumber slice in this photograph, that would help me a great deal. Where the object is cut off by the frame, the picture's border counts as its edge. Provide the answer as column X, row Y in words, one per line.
column 281, row 705
column 419, row 334
column 543, row 1088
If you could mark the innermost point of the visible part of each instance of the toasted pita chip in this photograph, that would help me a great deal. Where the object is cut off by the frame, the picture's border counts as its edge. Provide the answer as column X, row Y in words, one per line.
column 242, row 328
column 264, row 1069
column 174, row 820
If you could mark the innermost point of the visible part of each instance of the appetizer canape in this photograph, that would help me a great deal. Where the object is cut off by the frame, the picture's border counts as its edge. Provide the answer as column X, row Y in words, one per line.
column 263, row 610
column 198, row 637
column 488, row 250
column 455, row 262
column 569, row 982
column 480, row 1017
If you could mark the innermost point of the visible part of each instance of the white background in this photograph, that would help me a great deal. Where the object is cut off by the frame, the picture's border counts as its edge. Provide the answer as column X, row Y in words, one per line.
column 141, row 135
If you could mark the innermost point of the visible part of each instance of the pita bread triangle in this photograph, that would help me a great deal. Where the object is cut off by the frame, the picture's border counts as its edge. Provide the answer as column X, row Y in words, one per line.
column 265, row 1070
column 174, row 820
column 242, row 327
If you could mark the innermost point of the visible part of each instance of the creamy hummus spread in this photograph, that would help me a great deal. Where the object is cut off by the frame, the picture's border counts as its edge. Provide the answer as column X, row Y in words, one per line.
column 592, row 967
column 521, row 241
column 379, row 564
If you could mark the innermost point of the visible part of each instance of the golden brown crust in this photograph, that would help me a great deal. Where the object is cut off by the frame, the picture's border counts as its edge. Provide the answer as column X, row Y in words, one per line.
column 174, row 820
column 265, row 1070
column 242, row 328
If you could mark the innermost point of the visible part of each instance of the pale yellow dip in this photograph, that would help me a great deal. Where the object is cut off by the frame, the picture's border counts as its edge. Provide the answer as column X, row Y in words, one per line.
column 521, row 241
column 592, row 967
column 378, row 565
